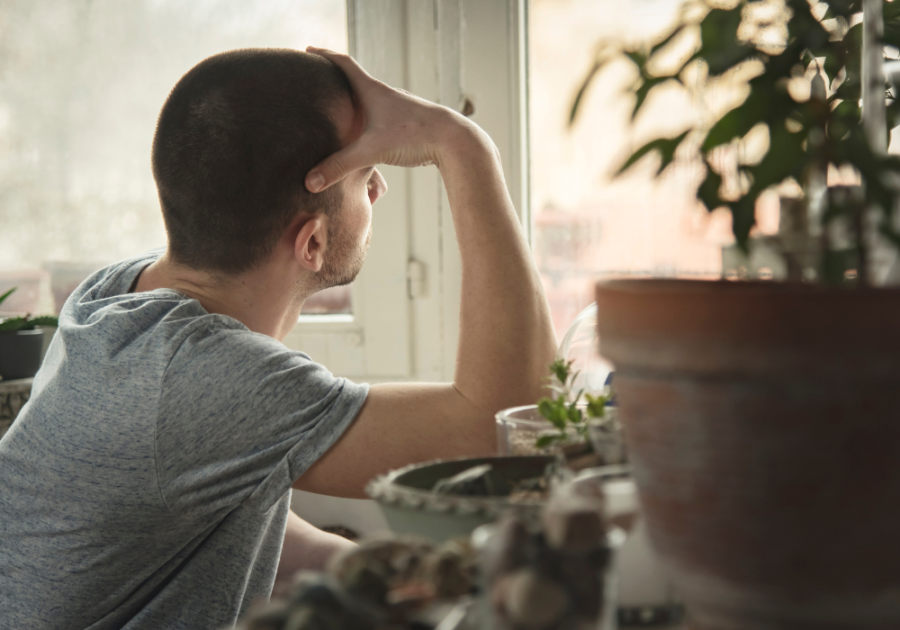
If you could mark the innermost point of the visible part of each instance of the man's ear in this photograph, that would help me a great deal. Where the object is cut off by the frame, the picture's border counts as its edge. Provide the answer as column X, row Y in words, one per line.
column 311, row 242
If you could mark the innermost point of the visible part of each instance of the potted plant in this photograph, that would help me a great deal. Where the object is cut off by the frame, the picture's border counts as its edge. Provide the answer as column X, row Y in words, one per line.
column 21, row 343
column 762, row 418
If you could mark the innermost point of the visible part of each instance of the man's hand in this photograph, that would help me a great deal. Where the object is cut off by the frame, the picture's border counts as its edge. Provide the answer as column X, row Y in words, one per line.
column 506, row 339
column 399, row 129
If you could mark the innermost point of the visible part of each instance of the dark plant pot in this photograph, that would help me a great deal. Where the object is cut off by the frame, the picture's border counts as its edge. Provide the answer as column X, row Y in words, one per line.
column 20, row 353
column 763, row 424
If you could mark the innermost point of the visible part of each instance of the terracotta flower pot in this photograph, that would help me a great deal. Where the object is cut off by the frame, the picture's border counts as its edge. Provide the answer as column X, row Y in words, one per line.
column 763, row 423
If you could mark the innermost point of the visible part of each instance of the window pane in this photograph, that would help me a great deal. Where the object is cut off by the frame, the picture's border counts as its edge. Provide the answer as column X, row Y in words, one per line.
column 81, row 84
column 588, row 225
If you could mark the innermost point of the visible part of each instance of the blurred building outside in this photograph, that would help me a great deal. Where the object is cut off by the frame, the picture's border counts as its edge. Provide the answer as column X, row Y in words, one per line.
column 81, row 84
column 588, row 225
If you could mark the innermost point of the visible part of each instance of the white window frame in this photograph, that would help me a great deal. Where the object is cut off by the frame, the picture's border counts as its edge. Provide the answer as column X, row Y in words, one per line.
column 405, row 322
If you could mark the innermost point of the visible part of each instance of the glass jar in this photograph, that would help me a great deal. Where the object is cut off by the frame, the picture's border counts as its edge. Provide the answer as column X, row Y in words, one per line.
column 519, row 428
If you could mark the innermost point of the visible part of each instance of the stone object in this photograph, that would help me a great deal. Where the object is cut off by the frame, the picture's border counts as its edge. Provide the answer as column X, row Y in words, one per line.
column 13, row 396
column 532, row 600
column 574, row 523
column 534, row 585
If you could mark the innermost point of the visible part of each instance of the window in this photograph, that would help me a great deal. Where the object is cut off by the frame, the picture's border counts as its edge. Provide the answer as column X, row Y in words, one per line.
column 80, row 91
column 81, row 84
column 586, row 224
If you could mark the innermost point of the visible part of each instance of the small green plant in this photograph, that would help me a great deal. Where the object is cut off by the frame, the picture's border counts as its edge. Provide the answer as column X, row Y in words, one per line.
column 563, row 411
column 12, row 324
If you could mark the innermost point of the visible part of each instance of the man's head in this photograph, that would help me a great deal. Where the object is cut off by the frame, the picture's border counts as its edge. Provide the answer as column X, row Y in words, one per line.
column 233, row 144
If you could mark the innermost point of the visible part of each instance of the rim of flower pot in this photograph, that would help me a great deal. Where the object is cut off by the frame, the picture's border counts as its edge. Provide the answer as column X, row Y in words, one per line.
column 31, row 331
column 387, row 490
column 506, row 416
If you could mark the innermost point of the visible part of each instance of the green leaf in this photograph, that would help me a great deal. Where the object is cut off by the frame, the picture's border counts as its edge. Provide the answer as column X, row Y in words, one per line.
column 735, row 124
column 639, row 59
column 785, row 158
column 561, row 370
column 546, row 440
column 14, row 323
column 743, row 218
column 843, row 8
column 849, row 90
column 846, row 116
column 579, row 95
column 7, row 294
column 44, row 320
column 554, row 411
column 853, row 38
column 804, row 29
column 666, row 148
column 719, row 43
column 596, row 406
column 708, row 192
column 891, row 14
column 545, row 407
column 833, row 63
column 574, row 414
column 890, row 10
column 892, row 113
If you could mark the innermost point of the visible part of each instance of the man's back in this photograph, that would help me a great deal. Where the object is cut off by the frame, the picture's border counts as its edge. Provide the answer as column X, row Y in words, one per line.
column 146, row 482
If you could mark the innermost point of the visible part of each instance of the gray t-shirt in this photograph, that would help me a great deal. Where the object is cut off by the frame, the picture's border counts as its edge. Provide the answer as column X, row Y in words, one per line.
column 146, row 484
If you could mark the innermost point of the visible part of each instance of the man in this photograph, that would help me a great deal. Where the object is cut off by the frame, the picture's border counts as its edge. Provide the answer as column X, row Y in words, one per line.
column 146, row 484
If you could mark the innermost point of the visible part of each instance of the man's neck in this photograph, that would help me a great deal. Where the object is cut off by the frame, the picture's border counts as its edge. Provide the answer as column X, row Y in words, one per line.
column 263, row 301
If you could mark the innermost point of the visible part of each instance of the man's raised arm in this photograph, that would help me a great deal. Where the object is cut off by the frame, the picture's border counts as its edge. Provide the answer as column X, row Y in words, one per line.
column 506, row 337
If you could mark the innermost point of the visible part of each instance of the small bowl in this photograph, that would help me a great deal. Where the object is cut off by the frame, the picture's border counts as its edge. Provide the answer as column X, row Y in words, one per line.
column 518, row 429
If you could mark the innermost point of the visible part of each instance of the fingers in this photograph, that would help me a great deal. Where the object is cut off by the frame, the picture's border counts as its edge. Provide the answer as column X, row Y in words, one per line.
column 334, row 168
column 337, row 166
column 354, row 71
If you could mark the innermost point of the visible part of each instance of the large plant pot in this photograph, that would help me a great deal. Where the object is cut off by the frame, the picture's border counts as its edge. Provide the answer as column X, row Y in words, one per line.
column 20, row 353
column 763, row 424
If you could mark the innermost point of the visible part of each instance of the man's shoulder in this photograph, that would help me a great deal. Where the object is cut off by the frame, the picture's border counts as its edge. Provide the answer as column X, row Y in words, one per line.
column 104, row 329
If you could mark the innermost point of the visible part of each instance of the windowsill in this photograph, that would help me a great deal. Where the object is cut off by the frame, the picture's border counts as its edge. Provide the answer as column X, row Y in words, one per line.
column 336, row 318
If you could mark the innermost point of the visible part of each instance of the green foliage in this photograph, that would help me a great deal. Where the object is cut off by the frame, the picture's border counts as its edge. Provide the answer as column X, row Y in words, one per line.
column 7, row 294
column 565, row 411
column 596, row 405
column 12, row 324
column 666, row 148
column 579, row 95
column 561, row 370
column 720, row 47
column 805, row 136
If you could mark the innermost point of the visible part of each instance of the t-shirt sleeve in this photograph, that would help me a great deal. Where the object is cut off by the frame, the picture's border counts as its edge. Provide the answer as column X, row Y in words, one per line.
column 241, row 417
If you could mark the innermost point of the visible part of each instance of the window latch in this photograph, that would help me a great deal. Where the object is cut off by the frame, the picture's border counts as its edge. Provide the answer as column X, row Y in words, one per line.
column 416, row 275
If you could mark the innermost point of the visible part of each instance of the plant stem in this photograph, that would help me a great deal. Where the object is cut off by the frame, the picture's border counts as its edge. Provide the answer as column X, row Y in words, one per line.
column 874, row 120
column 873, row 114
column 862, row 255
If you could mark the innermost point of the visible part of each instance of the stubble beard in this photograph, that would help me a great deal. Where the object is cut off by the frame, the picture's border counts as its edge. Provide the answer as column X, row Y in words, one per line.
column 344, row 260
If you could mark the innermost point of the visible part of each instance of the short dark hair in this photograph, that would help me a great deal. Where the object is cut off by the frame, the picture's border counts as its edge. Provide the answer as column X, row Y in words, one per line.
column 234, row 142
